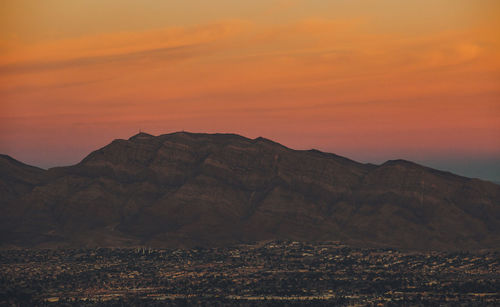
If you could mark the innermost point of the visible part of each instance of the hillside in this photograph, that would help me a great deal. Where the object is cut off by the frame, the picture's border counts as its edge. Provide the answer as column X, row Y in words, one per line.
column 185, row 189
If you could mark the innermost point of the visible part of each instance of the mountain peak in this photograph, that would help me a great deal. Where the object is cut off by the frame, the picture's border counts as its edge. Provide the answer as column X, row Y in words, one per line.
column 141, row 135
column 400, row 162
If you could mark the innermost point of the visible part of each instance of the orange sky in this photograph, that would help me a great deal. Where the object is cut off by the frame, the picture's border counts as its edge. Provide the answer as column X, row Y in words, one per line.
column 371, row 80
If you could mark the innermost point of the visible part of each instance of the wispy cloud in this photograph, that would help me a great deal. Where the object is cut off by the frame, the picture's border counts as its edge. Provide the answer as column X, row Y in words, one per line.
column 166, row 53
column 96, row 49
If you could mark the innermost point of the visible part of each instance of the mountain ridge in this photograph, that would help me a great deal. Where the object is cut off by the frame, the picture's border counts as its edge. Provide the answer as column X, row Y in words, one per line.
column 184, row 189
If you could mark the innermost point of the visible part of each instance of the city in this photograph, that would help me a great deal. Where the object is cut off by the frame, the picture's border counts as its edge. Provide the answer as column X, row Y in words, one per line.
column 266, row 273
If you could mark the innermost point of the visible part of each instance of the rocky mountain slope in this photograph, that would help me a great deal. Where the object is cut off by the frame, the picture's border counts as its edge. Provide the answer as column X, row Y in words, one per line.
column 186, row 189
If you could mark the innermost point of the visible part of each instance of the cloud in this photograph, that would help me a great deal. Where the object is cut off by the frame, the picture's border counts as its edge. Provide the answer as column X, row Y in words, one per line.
column 59, row 85
column 170, row 53
column 174, row 43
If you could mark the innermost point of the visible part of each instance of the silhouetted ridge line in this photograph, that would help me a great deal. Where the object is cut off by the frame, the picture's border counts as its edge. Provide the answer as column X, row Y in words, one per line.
column 18, row 163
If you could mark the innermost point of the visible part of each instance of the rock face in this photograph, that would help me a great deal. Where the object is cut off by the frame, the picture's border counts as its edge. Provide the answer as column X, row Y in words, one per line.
column 185, row 189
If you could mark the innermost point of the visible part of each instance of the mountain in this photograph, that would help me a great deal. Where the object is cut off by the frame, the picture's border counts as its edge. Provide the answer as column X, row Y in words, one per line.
column 16, row 180
column 186, row 189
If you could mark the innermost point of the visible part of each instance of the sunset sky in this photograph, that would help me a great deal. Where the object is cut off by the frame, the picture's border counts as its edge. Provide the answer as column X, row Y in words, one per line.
column 370, row 80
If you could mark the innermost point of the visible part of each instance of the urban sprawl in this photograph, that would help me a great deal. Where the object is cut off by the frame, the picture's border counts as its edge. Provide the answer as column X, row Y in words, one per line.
column 265, row 273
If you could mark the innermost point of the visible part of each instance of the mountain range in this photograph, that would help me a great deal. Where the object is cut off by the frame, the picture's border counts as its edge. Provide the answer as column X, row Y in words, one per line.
column 191, row 189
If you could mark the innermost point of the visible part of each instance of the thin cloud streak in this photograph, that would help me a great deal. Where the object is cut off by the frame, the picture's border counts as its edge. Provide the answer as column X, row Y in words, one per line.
column 168, row 53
